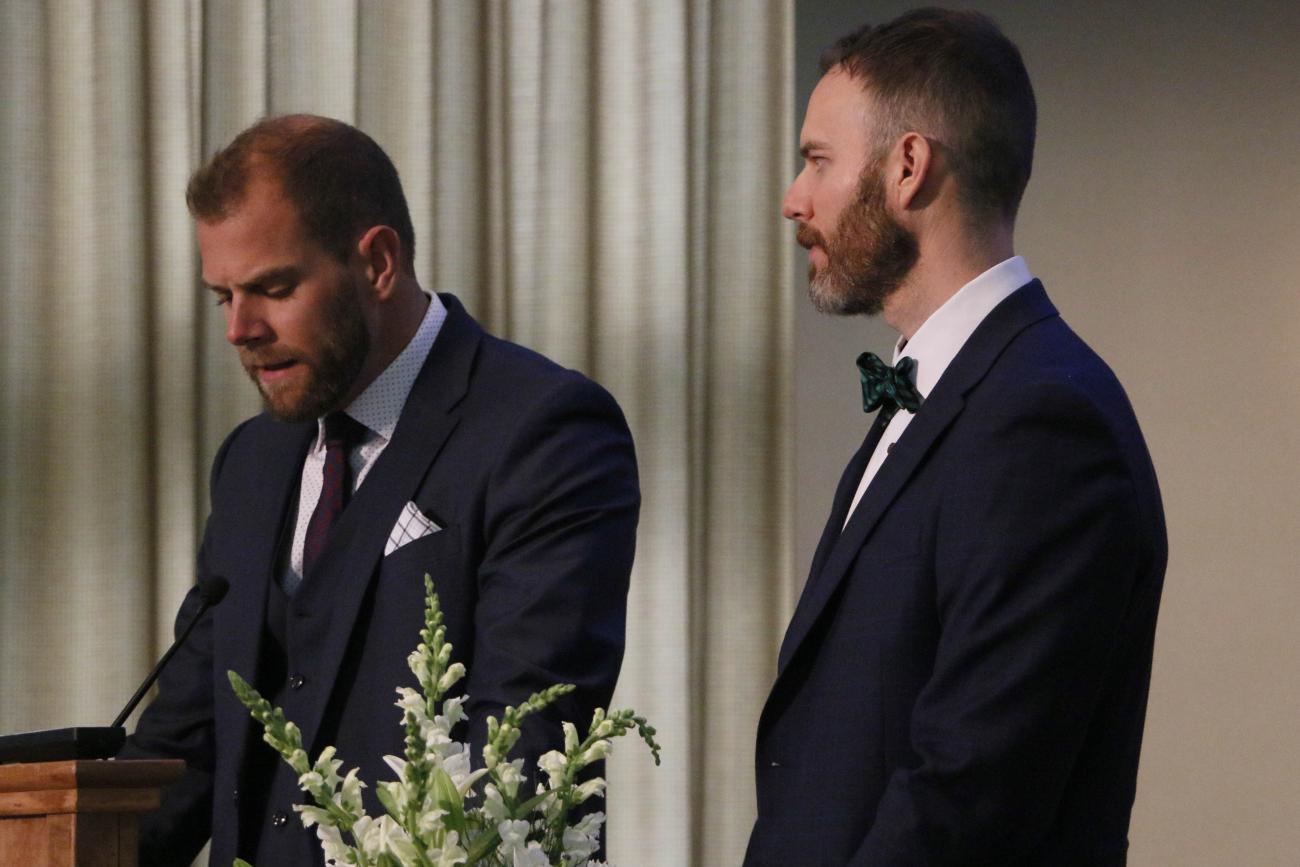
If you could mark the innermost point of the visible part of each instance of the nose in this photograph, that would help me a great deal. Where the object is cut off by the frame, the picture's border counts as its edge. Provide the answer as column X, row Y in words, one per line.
column 796, row 205
column 244, row 323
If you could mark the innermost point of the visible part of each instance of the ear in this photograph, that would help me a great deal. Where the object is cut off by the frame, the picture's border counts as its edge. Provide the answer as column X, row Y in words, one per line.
column 381, row 253
column 914, row 160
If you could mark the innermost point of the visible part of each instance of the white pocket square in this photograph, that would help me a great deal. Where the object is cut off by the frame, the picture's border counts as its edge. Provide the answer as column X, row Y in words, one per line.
column 412, row 524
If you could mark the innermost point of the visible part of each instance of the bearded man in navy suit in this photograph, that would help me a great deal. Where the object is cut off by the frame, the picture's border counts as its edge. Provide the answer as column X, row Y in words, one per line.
column 399, row 439
column 964, row 679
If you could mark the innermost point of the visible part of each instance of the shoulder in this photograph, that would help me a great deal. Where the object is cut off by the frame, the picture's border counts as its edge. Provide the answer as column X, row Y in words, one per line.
column 1048, row 372
column 515, row 382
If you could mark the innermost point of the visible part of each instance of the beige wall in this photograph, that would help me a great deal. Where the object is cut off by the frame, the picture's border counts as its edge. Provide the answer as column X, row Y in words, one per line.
column 1164, row 218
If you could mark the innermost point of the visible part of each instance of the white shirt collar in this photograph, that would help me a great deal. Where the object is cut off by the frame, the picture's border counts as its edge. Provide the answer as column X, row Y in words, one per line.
column 941, row 337
column 380, row 405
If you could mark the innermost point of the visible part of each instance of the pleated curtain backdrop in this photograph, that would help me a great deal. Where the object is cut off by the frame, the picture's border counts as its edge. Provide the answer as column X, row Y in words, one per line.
column 599, row 181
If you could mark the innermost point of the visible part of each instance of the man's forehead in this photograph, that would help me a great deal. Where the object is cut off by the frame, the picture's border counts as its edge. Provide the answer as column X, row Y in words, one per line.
column 838, row 112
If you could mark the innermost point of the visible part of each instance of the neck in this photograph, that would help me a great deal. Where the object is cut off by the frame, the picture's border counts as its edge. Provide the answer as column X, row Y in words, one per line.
column 947, row 262
column 395, row 326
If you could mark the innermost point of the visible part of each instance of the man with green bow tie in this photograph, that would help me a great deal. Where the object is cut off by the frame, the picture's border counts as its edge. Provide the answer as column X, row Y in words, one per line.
column 964, row 679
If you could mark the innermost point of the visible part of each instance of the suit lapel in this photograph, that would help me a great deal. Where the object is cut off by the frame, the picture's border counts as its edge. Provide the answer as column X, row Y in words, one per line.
column 240, row 618
column 1022, row 308
column 839, row 510
column 326, row 606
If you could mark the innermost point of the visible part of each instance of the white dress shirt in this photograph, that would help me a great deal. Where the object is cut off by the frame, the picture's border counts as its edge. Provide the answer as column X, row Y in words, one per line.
column 937, row 342
column 377, row 408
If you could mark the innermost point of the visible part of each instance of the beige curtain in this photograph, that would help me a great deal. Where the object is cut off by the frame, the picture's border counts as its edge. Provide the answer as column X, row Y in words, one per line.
column 599, row 181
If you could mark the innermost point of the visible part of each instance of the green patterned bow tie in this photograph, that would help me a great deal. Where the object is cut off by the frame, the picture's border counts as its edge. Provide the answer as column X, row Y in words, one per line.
column 888, row 388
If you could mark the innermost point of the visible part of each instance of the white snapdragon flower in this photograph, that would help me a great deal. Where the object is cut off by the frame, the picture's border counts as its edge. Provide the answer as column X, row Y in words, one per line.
column 451, row 853
column 397, row 764
column 515, row 848
column 412, row 702
column 493, row 804
column 533, row 856
column 514, row 835
column 451, row 676
column 453, row 711
column 331, row 844
column 510, row 775
column 578, row 845
column 324, row 774
column 429, row 820
column 571, row 739
column 595, row 753
column 594, row 786
column 553, row 763
column 349, row 796
column 583, row 839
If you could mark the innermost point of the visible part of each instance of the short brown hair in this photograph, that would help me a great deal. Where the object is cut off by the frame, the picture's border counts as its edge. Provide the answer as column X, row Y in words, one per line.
column 337, row 177
column 954, row 76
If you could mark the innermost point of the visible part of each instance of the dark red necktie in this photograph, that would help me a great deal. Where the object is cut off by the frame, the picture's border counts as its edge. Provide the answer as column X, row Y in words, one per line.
column 342, row 432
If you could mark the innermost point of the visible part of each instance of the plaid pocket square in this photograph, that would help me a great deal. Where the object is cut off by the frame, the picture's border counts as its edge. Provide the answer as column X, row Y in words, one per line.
column 411, row 525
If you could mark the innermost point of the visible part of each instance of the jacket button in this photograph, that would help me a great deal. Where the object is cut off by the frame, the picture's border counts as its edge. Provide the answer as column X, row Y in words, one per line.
column 234, row 795
column 296, row 681
column 279, row 820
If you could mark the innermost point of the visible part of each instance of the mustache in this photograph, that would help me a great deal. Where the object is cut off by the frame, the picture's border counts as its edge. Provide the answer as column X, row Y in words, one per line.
column 252, row 358
column 808, row 237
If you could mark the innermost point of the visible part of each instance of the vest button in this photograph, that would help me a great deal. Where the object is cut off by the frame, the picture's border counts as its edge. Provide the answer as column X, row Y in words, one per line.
column 296, row 681
column 279, row 820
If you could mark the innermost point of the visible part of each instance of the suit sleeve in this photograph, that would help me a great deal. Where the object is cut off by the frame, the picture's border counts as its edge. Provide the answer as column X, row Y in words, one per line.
column 560, row 532
column 178, row 724
column 1039, row 545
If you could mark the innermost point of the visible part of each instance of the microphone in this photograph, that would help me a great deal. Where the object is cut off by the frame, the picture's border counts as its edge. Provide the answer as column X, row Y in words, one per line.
column 210, row 593
column 102, row 742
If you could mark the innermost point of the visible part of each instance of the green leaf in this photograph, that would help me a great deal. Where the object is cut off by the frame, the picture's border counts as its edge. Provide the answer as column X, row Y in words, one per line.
column 240, row 862
column 483, row 846
column 390, row 803
column 450, row 799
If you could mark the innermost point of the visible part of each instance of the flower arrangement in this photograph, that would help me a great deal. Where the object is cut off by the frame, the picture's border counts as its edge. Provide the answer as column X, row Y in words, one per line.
column 432, row 818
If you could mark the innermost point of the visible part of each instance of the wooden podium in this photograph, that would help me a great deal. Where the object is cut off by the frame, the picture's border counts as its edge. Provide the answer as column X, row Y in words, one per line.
column 77, row 813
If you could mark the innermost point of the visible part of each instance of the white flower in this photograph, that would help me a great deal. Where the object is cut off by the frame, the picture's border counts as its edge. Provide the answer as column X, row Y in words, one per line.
column 509, row 775
column 429, row 820
column 349, row 797
column 313, row 815
column 450, row 854
column 331, row 844
column 398, row 765
column 515, row 847
column 401, row 793
column 571, row 740
column 533, row 856
column 594, row 786
column 449, row 678
column 453, row 711
column 514, row 835
column 411, row 702
column 595, row 753
column 590, row 823
column 578, row 845
column 553, row 763
column 493, row 804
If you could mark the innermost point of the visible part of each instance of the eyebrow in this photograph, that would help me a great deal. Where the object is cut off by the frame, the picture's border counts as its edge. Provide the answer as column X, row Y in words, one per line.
column 808, row 147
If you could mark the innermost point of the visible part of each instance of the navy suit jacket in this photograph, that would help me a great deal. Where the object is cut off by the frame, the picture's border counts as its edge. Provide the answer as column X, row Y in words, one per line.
column 964, row 679
column 530, row 472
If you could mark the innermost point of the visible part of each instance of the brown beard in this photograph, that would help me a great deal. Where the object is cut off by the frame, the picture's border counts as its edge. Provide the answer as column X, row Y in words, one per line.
column 334, row 366
column 868, row 254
